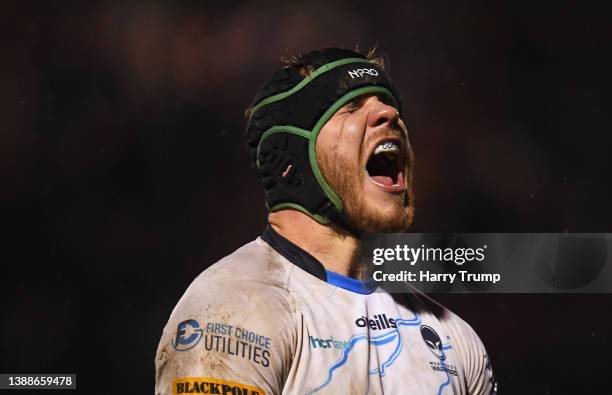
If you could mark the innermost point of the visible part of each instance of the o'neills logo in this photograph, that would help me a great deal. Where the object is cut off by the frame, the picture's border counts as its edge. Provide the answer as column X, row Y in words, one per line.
column 378, row 321
column 203, row 385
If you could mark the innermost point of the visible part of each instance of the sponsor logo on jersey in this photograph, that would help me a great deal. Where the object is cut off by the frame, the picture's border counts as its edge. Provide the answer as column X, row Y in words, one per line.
column 376, row 322
column 358, row 73
column 188, row 335
column 330, row 342
column 204, row 385
column 218, row 337
column 433, row 341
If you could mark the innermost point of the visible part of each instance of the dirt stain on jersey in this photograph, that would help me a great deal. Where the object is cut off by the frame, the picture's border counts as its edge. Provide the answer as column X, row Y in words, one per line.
column 214, row 364
column 273, row 259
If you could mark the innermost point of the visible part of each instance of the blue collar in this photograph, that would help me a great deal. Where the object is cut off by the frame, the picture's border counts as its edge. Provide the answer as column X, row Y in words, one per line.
column 310, row 264
column 351, row 284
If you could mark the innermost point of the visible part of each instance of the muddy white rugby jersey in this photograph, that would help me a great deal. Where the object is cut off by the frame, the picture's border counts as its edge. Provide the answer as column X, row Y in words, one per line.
column 269, row 319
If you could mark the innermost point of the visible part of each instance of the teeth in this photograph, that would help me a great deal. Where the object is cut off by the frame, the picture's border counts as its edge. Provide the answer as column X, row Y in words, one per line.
column 387, row 146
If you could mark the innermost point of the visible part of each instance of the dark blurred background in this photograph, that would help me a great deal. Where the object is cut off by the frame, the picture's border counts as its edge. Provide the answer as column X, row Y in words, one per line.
column 124, row 171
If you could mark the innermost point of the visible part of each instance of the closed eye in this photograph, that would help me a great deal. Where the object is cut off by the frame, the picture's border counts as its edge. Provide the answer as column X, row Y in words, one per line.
column 357, row 102
column 354, row 104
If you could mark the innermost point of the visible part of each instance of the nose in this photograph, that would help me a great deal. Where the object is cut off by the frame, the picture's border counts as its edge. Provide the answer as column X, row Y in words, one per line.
column 380, row 113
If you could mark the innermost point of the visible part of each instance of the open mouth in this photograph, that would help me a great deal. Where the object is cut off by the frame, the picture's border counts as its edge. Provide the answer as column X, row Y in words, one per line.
column 386, row 165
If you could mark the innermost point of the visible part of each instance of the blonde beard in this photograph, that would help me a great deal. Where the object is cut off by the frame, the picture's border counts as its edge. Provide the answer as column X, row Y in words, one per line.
column 357, row 212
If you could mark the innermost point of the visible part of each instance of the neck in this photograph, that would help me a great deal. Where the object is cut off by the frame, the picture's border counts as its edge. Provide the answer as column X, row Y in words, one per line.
column 338, row 250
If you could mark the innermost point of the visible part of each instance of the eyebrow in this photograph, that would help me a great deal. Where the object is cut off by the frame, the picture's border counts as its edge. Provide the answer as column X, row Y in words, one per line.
column 357, row 102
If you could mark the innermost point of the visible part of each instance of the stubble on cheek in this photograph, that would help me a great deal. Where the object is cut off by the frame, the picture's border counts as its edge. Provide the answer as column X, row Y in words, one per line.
column 346, row 180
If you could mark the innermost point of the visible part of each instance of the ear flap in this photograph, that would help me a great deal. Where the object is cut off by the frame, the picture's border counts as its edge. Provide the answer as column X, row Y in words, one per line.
column 284, row 169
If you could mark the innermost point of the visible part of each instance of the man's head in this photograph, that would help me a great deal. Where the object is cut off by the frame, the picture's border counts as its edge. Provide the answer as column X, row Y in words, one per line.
column 326, row 137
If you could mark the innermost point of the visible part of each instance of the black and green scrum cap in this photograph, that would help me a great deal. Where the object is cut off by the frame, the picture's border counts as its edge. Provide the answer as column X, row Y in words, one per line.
column 288, row 113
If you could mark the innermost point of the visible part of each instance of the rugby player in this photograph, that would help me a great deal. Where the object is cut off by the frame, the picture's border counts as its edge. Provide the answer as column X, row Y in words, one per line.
column 289, row 313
